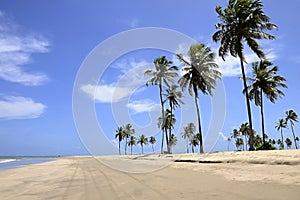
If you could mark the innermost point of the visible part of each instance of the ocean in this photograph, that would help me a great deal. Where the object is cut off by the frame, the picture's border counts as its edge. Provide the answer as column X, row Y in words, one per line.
column 11, row 162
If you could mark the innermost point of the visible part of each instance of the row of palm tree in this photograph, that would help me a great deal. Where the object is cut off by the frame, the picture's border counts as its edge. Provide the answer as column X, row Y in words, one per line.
column 201, row 73
column 290, row 117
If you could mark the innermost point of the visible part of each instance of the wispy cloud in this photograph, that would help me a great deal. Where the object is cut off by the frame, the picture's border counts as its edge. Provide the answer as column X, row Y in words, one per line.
column 131, row 23
column 131, row 80
column 16, row 50
column 18, row 107
column 145, row 105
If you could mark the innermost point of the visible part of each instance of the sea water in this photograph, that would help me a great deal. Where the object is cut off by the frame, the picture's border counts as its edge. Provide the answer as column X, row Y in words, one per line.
column 14, row 162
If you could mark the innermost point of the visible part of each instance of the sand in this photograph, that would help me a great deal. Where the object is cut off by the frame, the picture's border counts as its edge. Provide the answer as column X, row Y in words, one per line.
column 230, row 175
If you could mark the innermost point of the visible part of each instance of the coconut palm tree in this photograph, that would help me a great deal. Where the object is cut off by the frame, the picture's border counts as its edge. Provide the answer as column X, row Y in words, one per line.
column 264, row 81
column 235, row 134
column 168, row 124
column 228, row 140
column 188, row 133
column 152, row 140
column 142, row 140
column 131, row 143
column 201, row 73
column 288, row 142
column 242, row 21
column 292, row 117
column 174, row 98
column 173, row 141
column 280, row 143
column 163, row 73
column 128, row 131
column 119, row 135
column 239, row 143
column 194, row 142
column 279, row 126
column 245, row 130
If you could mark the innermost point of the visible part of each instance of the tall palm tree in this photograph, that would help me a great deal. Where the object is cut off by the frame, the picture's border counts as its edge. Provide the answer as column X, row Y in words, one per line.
column 242, row 21
column 235, row 134
column 228, row 140
column 194, row 142
column 292, row 117
column 152, row 140
column 163, row 73
column 128, row 131
column 238, row 143
column 279, row 126
column 142, row 140
column 119, row 135
column 188, row 133
column 131, row 143
column 265, row 81
column 174, row 98
column 201, row 74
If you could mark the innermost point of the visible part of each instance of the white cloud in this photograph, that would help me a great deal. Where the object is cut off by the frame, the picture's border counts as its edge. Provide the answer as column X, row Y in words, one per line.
column 131, row 80
column 16, row 50
column 132, row 23
column 17, row 107
column 141, row 106
column 223, row 136
column 106, row 93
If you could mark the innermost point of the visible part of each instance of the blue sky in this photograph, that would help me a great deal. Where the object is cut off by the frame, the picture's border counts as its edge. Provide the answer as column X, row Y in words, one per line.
column 43, row 44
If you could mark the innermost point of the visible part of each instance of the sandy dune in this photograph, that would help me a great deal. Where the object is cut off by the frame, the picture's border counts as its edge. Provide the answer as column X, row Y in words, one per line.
column 232, row 175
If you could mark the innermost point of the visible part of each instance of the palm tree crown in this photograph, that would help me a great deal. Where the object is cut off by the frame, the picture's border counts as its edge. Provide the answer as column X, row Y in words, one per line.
column 201, row 74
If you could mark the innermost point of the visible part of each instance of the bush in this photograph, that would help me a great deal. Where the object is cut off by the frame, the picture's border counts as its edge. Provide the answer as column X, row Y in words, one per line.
column 267, row 146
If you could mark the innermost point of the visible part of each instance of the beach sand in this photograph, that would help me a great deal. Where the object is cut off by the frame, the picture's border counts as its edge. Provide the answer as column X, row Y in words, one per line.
column 229, row 175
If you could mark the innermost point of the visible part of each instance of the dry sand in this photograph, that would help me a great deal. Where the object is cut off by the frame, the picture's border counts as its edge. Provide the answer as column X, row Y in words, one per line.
column 231, row 175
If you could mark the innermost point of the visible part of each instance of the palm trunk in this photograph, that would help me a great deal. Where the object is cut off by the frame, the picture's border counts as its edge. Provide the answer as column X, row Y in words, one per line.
column 187, row 145
column 170, row 128
column 152, row 148
column 201, row 149
column 167, row 140
column 251, row 139
column 125, row 144
column 294, row 136
column 262, row 118
column 131, row 149
column 228, row 146
column 163, row 116
column 282, row 138
column 119, row 147
column 142, row 149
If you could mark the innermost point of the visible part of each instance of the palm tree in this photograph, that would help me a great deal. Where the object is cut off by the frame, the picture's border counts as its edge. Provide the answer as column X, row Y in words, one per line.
column 143, row 140
column 174, row 98
column 292, row 117
column 128, row 131
column 288, row 142
column 265, row 81
column 131, row 143
column 280, row 143
column 201, row 74
column 235, row 134
column 152, row 140
column 119, row 135
column 238, row 143
column 162, row 74
column 245, row 130
column 279, row 126
column 194, row 142
column 188, row 132
column 242, row 21
column 173, row 141
column 228, row 140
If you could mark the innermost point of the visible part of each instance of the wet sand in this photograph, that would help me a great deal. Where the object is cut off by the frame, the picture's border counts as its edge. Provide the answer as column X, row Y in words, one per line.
column 230, row 175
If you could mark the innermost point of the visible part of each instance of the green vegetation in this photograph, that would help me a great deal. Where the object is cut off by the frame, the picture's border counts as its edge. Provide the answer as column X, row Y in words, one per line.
column 243, row 23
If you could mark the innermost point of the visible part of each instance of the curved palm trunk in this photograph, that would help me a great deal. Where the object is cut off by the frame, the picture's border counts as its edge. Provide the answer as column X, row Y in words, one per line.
column 163, row 116
column 282, row 138
column 292, row 126
column 251, row 141
column 201, row 149
column 262, row 118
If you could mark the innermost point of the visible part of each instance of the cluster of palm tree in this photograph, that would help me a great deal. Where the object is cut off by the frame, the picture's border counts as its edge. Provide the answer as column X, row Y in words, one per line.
column 192, row 139
column 290, row 118
column 126, row 132
column 201, row 73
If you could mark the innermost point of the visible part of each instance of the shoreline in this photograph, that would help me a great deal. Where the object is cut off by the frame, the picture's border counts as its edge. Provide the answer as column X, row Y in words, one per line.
column 84, row 177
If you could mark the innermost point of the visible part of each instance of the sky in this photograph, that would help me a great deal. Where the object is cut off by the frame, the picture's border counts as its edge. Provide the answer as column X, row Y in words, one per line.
column 47, row 46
